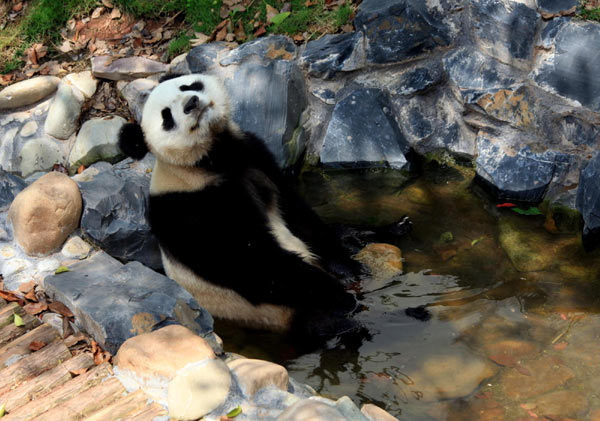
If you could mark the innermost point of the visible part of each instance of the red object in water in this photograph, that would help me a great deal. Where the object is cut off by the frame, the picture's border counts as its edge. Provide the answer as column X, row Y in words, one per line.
column 506, row 205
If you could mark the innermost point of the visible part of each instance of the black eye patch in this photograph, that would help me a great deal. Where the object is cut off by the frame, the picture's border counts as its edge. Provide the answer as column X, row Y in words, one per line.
column 168, row 122
column 196, row 86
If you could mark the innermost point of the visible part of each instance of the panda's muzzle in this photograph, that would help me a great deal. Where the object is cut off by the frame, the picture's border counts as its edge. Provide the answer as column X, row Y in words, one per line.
column 192, row 104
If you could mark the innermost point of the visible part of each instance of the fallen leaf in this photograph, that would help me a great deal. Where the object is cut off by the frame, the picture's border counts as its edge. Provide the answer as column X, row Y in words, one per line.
column 310, row 3
column 36, row 345
column 107, row 3
column 503, row 359
column 271, row 12
column 35, row 308
column 79, row 371
column 67, row 330
column 199, row 39
column 347, row 28
column 563, row 316
column 532, row 414
column 18, row 320
column 60, row 308
column 2, row 409
column 506, row 205
column 26, row 287
column 94, row 346
column 115, row 14
column 279, row 18
column 524, row 371
column 477, row 240
column 98, row 12
column 528, row 406
column 298, row 38
column 260, row 31
column 234, row 412
column 18, row 7
column 80, row 169
column 11, row 296
column 222, row 34
column 240, row 33
column 560, row 346
column 531, row 211
column 31, row 295
column 61, row 269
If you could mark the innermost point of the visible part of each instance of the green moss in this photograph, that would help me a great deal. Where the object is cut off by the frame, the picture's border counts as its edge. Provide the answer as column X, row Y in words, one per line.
column 179, row 45
column 589, row 14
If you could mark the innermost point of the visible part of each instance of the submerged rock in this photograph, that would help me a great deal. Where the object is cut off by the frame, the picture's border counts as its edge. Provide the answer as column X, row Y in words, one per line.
column 363, row 133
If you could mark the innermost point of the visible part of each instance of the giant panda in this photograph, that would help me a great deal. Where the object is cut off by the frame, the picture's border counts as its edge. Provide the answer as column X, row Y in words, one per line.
column 231, row 230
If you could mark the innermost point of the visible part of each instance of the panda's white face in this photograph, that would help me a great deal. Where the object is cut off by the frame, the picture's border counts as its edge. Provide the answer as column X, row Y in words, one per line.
column 181, row 115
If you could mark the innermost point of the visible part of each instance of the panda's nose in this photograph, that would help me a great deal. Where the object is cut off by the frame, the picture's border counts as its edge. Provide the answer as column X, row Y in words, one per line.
column 191, row 104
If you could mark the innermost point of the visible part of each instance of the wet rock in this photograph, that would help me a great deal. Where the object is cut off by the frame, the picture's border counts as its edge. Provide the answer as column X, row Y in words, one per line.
column 470, row 70
column 151, row 360
column 114, row 302
column 84, row 81
column 561, row 404
column 272, row 397
column 383, row 260
column 204, row 57
column 505, row 29
column 27, row 92
column 10, row 186
column 331, row 54
column 198, row 389
column 64, row 112
column 588, row 202
column 46, row 213
column 507, row 352
column 273, row 47
column 40, row 155
column 362, row 133
column 97, row 140
column 311, row 409
column 516, row 106
column 127, row 68
column 552, row 8
column 511, row 171
column 275, row 114
column 533, row 378
column 349, row 410
column 114, row 215
column 568, row 70
column 374, row 413
column 397, row 30
column 253, row 375
column 452, row 375
column 136, row 93
column 76, row 248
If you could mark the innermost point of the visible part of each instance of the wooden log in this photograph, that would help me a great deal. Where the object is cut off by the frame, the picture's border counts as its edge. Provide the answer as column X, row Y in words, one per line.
column 20, row 347
column 121, row 408
column 6, row 313
column 65, row 392
column 33, row 365
column 86, row 403
column 46, row 382
column 12, row 331
column 149, row 413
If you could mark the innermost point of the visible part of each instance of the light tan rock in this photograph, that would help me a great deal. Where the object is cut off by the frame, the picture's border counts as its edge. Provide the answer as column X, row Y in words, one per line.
column 163, row 352
column 84, row 81
column 198, row 389
column 313, row 410
column 383, row 260
column 127, row 68
column 46, row 213
column 27, row 92
column 76, row 248
column 253, row 375
column 375, row 413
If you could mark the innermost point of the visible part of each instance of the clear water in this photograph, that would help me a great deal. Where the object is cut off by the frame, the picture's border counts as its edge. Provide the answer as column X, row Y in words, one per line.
column 513, row 335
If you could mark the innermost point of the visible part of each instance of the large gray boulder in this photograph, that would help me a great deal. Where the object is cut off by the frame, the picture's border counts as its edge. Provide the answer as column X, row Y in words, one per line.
column 115, row 206
column 363, row 133
column 331, row 54
column 114, row 302
column 588, row 202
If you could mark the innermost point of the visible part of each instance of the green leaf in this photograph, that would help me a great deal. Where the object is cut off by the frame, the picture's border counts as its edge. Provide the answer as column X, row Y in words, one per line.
column 18, row 320
column 446, row 237
column 61, row 269
column 234, row 412
column 277, row 19
column 2, row 410
column 530, row 211
column 475, row 241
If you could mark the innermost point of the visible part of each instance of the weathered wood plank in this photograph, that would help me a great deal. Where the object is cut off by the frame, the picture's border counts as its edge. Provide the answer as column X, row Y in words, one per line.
column 11, row 331
column 33, row 365
column 86, row 403
column 121, row 408
column 6, row 313
column 20, row 347
column 45, row 383
column 149, row 413
column 65, row 392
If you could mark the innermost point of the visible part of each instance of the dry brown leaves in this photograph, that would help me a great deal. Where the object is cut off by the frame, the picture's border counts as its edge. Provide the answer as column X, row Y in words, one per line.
column 36, row 345
column 60, row 308
column 100, row 356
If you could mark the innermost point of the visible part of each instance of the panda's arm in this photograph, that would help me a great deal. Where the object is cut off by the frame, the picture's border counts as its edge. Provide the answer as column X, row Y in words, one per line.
column 222, row 236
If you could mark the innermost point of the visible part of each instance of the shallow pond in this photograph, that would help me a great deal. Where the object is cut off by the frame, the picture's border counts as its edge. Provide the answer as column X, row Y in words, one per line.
column 514, row 331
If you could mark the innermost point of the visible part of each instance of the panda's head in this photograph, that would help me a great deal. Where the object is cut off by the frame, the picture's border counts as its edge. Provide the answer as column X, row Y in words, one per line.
column 180, row 118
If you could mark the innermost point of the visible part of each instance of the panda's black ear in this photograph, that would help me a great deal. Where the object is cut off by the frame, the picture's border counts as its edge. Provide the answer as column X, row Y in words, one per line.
column 131, row 141
column 169, row 76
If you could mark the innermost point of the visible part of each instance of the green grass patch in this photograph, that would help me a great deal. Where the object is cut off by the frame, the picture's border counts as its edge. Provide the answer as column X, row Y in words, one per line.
column 589, row 13
column 47, row 17
column 178, row 45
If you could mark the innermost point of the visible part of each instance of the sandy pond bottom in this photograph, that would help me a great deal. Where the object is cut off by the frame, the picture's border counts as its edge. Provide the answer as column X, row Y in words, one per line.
column 514, row 332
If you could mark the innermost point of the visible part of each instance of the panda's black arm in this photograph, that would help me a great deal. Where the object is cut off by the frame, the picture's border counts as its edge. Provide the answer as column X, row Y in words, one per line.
column 229, row 244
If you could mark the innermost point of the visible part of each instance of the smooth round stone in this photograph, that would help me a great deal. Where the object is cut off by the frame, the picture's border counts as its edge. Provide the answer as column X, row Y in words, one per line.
column 29, row 128
column 198, row 390
column 48, row 265
column 76, row 248
column 84, row 81
column 97, row 141
column 14, row 266
column 40, row 155
column 7, row 252
column 27, row 92
column 64, row 112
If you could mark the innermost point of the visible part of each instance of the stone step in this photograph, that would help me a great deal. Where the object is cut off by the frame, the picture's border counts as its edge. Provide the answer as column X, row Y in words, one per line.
column 123, row 407
column 46, row 383
column 86, row 403
column 19, row 347
column 11, row 331
column 33, row 365
column 62, row 394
